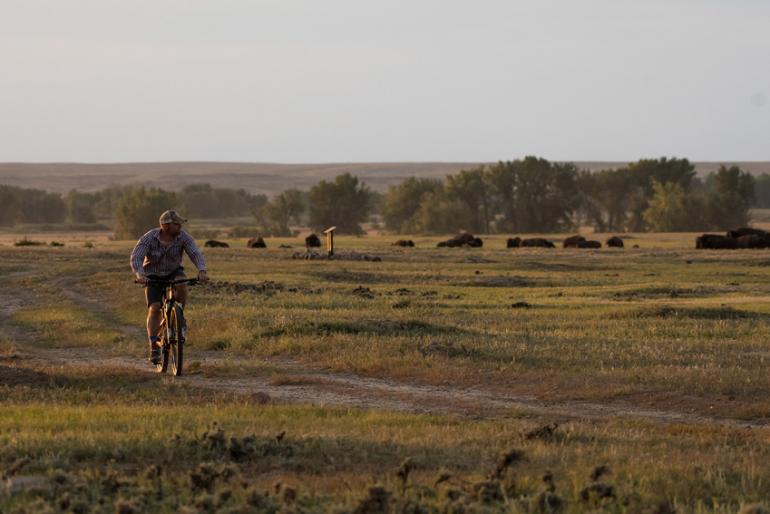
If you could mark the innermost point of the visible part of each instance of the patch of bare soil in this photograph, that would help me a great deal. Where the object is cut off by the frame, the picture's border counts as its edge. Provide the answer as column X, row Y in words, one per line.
column 267, row 288
column 12, row 375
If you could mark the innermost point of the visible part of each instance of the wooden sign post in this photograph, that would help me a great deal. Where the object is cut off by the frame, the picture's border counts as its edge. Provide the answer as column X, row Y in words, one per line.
column 330, row 240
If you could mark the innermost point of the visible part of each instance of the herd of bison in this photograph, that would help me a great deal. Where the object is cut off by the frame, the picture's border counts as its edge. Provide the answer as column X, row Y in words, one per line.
column 734, row 239
column 465, row 239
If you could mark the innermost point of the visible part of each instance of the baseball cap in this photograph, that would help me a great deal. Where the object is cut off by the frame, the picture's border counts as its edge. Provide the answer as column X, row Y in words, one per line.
column 171, row 217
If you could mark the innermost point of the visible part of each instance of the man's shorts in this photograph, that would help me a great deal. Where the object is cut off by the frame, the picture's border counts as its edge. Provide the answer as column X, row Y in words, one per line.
column 154, row 292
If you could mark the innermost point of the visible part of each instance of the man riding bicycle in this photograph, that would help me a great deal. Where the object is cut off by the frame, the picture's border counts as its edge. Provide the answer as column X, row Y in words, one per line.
column 158, row 256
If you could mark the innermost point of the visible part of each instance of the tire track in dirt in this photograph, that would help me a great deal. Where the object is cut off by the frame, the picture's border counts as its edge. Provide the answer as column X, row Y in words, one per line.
column 302, row 384
column 317, row 387
column 69, row 288
column 10, row 304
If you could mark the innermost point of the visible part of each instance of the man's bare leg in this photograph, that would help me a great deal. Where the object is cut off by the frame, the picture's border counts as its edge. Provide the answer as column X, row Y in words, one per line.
column 153, row 319
column 180, row 290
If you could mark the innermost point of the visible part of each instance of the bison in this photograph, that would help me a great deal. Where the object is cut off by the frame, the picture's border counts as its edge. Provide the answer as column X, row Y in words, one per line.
column 404, row 243
column 572, row 241
column 256, row 242
column 745, row 231
column 312, row 241
column 715, row 242
column 589, row 244
column 537, row 242
column 614, row 242
column 462, row 239
column 215, row 244
column 513, row 242
column 753, row 241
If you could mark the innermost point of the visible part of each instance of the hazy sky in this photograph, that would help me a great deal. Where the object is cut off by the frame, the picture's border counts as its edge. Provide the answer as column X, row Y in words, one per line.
column 418, row 80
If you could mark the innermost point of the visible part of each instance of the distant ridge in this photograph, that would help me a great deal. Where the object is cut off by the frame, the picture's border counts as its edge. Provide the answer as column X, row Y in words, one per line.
column 264, row 178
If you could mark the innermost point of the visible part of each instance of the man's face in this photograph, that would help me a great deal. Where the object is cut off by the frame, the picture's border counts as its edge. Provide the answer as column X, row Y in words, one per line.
column 172, row 229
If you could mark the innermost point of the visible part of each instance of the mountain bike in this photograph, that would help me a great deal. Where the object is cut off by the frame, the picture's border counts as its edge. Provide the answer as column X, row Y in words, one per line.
column 171, row 336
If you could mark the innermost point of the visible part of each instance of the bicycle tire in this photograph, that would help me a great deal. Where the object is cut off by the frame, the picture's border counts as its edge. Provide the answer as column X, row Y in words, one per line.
column 176, row 340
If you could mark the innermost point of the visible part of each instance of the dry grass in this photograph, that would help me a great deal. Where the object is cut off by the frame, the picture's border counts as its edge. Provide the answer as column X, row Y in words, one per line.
column 661, row 327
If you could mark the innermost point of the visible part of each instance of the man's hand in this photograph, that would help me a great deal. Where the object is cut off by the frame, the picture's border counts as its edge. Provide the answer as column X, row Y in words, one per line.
column 141, row 280
column 203, row 276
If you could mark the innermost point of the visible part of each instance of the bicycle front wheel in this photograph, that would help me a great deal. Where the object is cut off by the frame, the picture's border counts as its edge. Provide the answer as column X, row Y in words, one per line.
column 162, row 365
column 176, row 340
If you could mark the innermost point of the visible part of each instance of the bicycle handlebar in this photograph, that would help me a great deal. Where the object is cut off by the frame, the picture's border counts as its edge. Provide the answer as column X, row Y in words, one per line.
column 191, row 281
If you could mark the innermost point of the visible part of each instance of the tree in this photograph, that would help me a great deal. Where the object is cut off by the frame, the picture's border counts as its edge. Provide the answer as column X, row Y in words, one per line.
column 237, row 202
column 469, row 187
column 667, row 209
column 10, row 212
column 204, row 201
column 441, row 214
column 80, row 207
column 535, row 195
column 729, row 202
column 402, row 203
column 762, row 191
column 106, row 200
column 343, row 203
column 43, row 207
column 604, row 198
column 276, row 215
column 643, row 174
column 20, row 205
column 503, row 180
column 376, row 203
column 138, row 210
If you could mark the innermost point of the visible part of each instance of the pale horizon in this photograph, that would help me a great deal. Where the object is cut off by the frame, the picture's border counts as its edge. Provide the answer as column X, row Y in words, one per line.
column 352, row 163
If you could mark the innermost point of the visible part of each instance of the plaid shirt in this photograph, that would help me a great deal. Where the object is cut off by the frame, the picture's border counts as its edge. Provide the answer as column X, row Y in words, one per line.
column 150, row 257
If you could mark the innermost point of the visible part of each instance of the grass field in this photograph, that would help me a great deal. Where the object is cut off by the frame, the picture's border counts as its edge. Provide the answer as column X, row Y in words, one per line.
column 392, row 386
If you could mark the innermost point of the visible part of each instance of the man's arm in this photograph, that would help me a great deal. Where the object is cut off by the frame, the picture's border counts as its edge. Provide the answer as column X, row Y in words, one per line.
column 137, row 257
column 195, row 255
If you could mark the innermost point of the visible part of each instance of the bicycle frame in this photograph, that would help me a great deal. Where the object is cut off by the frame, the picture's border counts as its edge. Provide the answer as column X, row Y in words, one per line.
column 168, row 294
column 168, row 304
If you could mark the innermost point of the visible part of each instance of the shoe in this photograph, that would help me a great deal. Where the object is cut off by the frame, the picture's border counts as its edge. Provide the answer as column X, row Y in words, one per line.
column 155, row 354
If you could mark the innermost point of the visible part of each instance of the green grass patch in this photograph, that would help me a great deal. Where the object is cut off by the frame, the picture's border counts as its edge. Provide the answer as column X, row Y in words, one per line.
column 64, row 324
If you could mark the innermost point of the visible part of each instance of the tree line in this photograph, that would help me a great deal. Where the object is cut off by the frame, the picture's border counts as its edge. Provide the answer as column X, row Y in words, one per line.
column 520, row 196
column 131, row 210
column 535, row 195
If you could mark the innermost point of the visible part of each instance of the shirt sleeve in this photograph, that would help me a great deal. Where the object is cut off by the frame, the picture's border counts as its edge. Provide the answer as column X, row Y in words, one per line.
column 137, row 255
column 194, row 253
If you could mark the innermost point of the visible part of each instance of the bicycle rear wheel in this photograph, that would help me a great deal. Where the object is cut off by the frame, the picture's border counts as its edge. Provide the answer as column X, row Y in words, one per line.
column 176, row 340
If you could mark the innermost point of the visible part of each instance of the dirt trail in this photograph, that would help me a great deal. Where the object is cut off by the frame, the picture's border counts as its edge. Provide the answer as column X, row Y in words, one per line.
column 293, row 382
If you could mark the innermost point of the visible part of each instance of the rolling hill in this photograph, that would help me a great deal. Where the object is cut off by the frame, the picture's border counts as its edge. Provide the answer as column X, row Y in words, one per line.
column 264, row 178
